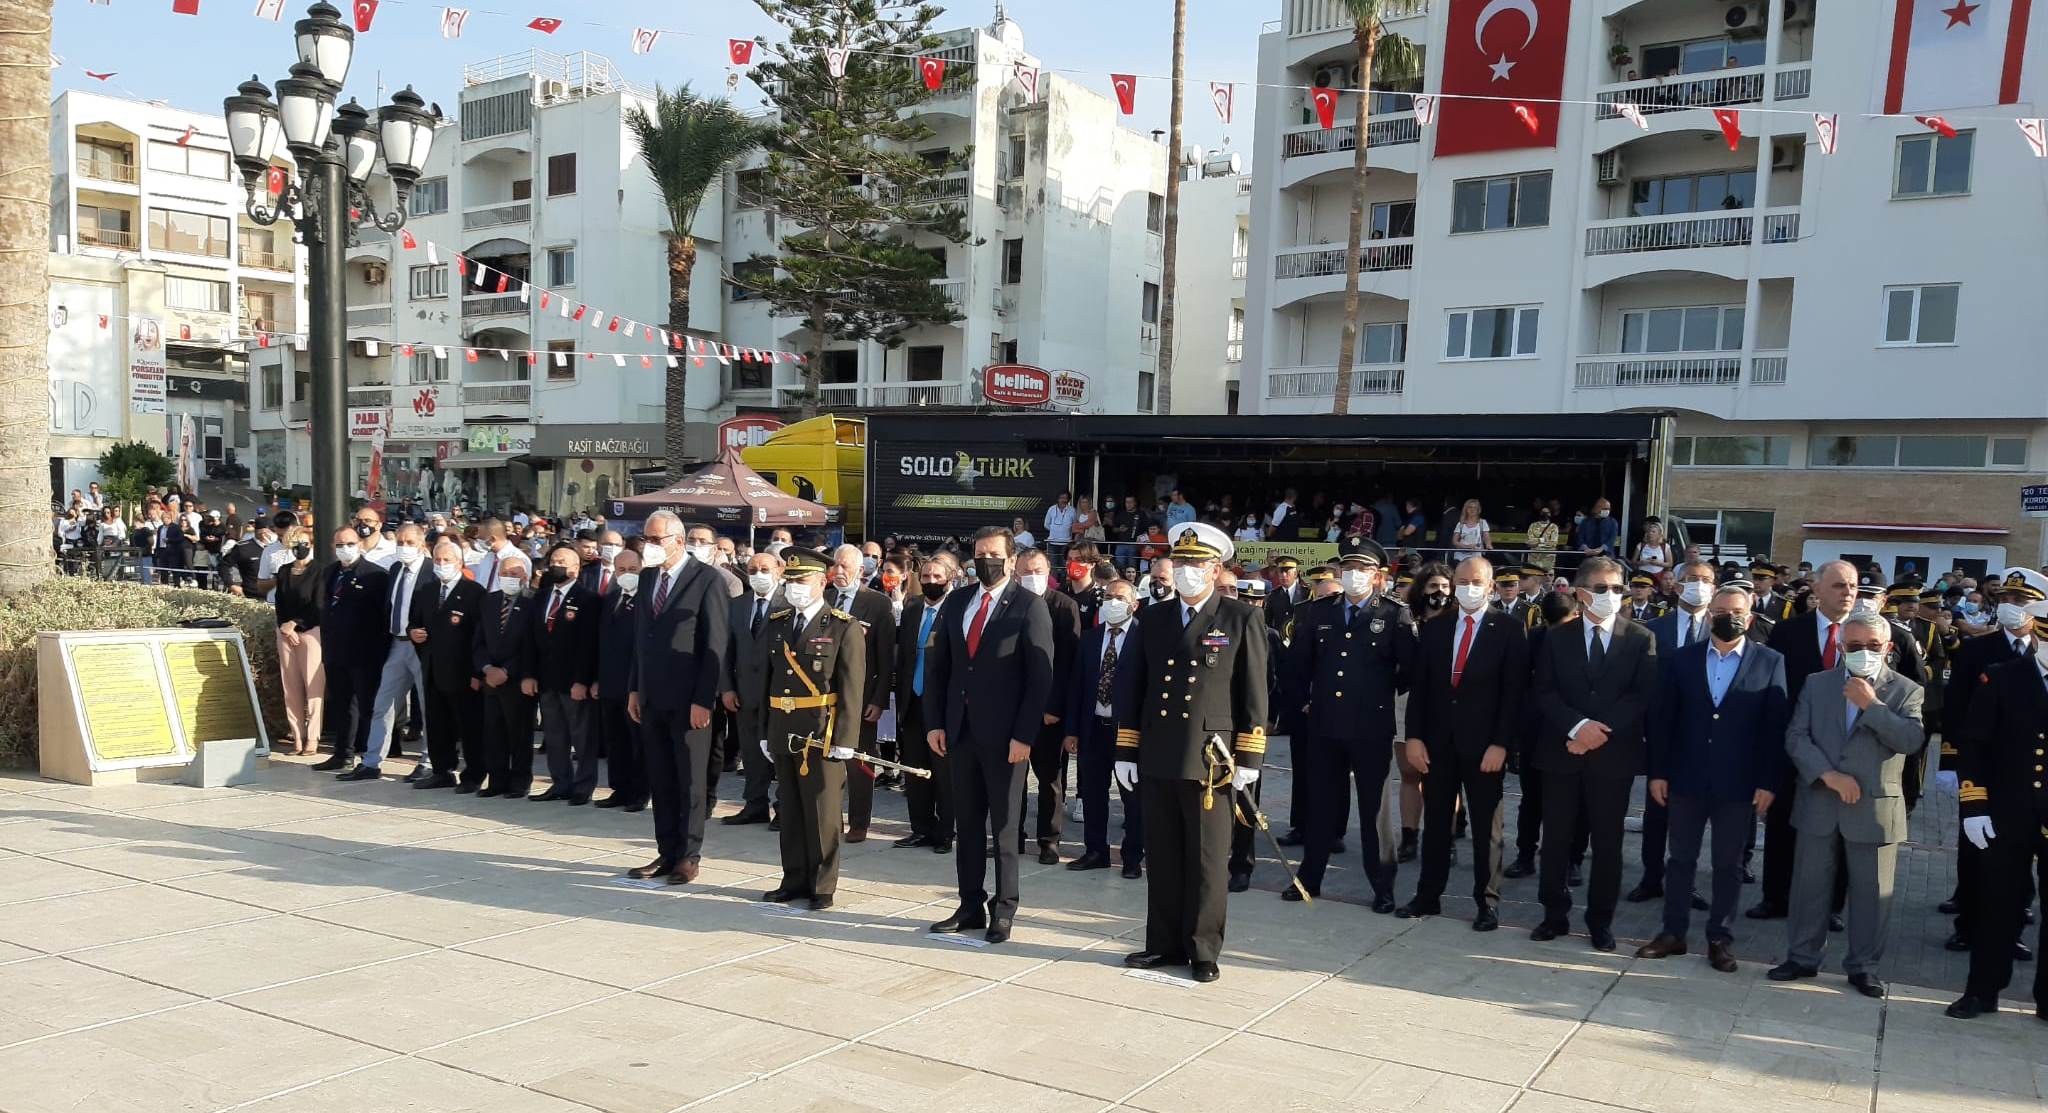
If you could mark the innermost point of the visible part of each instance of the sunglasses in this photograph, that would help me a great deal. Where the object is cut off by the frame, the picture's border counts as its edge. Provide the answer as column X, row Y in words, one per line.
column 1605, row 589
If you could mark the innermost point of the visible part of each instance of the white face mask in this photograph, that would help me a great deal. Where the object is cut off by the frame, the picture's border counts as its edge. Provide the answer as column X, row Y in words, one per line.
column 654, row 555
column 761, row 582
column 409, row 555
column 1696, row 593
column 867, row 568
column 1862, row 662
column 1035, row 583
column 512, row 583
column 1190, row 580
column 2013, row 617
column 799, row 594
column 629, row 582
column 1355, row 583
column 1604, row 606
column 1863, row 606
column 1471, row 597
column 1116, row 612
column 699, row 552
column 347, row 554
column 609, row 553
column 447, row 573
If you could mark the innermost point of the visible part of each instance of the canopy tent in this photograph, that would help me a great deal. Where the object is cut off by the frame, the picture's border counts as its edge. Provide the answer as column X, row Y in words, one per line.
column 728, row 492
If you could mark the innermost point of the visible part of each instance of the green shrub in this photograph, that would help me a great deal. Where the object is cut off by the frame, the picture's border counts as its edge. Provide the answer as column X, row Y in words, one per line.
column 73, row 603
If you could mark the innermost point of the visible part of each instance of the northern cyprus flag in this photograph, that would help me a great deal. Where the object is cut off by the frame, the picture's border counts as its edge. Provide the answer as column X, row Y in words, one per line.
column 1948, row 54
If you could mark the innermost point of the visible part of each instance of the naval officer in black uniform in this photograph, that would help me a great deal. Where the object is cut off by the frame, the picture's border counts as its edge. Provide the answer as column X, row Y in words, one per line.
column 1191, row 730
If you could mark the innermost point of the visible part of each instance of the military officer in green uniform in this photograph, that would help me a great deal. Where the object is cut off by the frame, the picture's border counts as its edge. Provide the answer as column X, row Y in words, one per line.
column 1191, row 733
column 812, row 669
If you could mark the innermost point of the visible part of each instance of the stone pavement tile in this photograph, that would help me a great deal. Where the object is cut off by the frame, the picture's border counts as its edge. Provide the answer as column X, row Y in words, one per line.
column 129, row 797
column 1514, row 972
column 1242, row 994
column 305, row 882
column 632, row 1053
column 114, row 916
column 1972, row 1055
column 457, row 912
column 1824, row 1002
column 1322, row 937
column 12, row 781
column 38, row 826
column 1696, row 1081
column 422, row 1001
column 903, row 938
column 491, row 855
column 23, row 878
column 744, row 879
column 1534, row 1101
column 1901, row 1096
column 49, row 995
column 243, row 810
column 359, row 832
column 1476, row 1038
column 863, row 1079
column 1254, row 1072
column 626, row 949
column 231, row 958
column 412, row 1086
column 839, row 993
column 182, row 852
column 201, row 1058
column 1088, row 1046
column 10, row 953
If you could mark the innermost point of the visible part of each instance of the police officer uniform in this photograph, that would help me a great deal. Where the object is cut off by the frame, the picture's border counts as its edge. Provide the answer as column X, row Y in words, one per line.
column 1199, row 686
column 1243, row 853
column 1644, row 612
column 1769, row 603
column 1524, row 610
column 812, row 664
column 1281, row 603
column 1349, row 662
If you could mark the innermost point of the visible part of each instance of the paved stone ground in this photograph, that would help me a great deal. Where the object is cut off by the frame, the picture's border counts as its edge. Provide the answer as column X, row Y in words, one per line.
column 308, row 946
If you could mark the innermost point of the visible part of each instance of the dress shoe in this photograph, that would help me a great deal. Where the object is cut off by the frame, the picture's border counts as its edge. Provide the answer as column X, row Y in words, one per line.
column 1836, row 923
column 1048, row 855
column 1092, row 860
column 783, row 895
column 1765, row 910
column 519, row 793
column 1574, row 877
column 1520, row 867
column 1547, row 931
column 612, row 801
column 438, row 780
column 660, row 867
column 1644, row 891
column 1699, row 904
column 578, row 799
column 1133, row 871
column 1748, row 875
column 1721, row 956
column 1949, row 907
column 360, row 773
column 1337, row 848
column 821, row 903
column 687, row 870
column 484, row 790
column 1293, row 837
column 1151, row 960
column 465, row 787
column 2022, row 953
column 1956, row 941
column 998, row 932
column 1867, row 985
column 1485, row 920
column 942, row 846
column 548, row 797
column 1416, row 910
column 914, row 840
column 333, row 763
column 1204, row 972
column 419, row 773
column 1293, row 894
column 963, row 920
column 1603, row 938
column 1383, row 905
column 1968, row 1007
column 1788, row 971
column 635, row 806
column 775, row 823
column 1240, row 882
column 856, row 834
column 1663, row 946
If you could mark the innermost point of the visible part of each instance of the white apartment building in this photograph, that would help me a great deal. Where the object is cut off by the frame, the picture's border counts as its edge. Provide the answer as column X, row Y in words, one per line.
column 1851, row 340
column 1065, row 207
column 1209, row 295
column 149, row 234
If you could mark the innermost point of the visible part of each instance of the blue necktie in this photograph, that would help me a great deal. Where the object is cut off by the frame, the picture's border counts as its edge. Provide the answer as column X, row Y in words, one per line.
column 924, row 632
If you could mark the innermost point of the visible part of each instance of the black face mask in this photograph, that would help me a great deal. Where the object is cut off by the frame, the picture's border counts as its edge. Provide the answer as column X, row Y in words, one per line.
column 301, row 551
column 554, row 575
column 364, row 530
column 1728, row 627
column 1161, row 590
column 1437, row 600
column 933, row 592
column 989, row 570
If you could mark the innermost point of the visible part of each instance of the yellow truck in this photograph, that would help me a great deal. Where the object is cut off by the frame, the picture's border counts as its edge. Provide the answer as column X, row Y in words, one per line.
column 823, row 459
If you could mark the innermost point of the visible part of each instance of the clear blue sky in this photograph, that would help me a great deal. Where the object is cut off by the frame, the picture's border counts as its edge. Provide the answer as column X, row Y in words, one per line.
column 185, row 60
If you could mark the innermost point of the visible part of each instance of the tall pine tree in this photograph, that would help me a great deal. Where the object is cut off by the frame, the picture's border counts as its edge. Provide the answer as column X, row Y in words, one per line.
column 845, row 171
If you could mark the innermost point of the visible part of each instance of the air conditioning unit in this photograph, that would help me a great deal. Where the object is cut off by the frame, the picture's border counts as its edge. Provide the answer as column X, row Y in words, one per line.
column 1609, row 169
column 1744, row 20
column 1786, row 153
column 553, row 89
column 1332, row 76
column 1798, row 13
column 373, row 274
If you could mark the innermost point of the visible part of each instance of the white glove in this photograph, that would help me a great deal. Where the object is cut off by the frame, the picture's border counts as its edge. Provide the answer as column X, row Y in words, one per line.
column 1244, row 778
column 764, row 750
column 1977, row 829
column 839, row 753
column 1127, row 774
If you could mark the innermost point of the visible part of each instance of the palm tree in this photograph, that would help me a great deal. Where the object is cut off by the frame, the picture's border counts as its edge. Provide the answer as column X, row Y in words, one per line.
column 1169, row 266
column 1400, row 56
column 25, row 275
column 687, row 142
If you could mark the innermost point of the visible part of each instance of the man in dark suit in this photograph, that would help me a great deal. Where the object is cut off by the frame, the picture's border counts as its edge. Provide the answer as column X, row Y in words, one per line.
column 749, row 617
column 1284, row 592
column 988, row 673
column 1471, row 672
column 1048, row 753
column 1594, row 679
column 352, row 623
column 561, row 665
column 625, row 767
column 1090, row 719
column 1717, row 745
column 680, row 644
column 1684, row 624
column 928, row 800
column 877, row 621
column 499, row 661
column 445, row 615
column 1244, row 854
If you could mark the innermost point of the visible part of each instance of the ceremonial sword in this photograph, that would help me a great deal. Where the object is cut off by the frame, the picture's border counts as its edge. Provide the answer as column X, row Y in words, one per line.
column 1222, row 761
column 803, row 744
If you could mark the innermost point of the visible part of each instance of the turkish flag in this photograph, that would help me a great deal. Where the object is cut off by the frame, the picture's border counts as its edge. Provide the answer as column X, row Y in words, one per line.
column 1326, row 106
column 546, row 25
column 933, row 70
column 469, row 354
column 1126, row 86
column 579, row 312
column 1731, row 125
column 185, row 7
column 1936, row 123
column 741, row 51
column 504, row 281
column 405, row 237
column 1954, row 54
column 1508, row 50
column 366, row 10
column 274, row 180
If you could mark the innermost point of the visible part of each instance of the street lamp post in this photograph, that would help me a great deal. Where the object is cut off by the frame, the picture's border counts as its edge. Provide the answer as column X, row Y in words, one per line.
column 336, row 151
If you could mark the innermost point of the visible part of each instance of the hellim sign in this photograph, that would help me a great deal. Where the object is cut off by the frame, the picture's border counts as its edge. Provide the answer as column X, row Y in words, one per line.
column 1015, row 384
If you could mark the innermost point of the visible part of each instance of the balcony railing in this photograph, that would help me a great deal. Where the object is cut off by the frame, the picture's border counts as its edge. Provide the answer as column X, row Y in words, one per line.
column 492, row 305
column 1795, row 83
column 937, row 392
column 369, row 396
column 1148, row 340
column 950, row 187
column 1667, row 233
column 369, row 315
column 300, row 409
column 954, row 290
column 1767, row 368
column 492, row 216
column 1781, row 227
column 106, row 237
column 1314, row 382
column 1325, row 260
column 1239, row 265
column 258, row 259
column 101, row 170
column 1610, row 373
column 512, row 393
column 1390, row 130
column 1313, row 17
column 1673, row 94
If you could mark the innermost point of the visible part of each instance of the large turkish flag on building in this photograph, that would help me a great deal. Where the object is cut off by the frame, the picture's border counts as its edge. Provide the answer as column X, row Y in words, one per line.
column 1512, row 50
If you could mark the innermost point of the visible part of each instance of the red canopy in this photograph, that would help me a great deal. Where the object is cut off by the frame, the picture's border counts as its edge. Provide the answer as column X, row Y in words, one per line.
column 729, row 492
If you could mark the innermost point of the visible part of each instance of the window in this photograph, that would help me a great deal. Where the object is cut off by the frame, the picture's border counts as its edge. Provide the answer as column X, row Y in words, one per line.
column 1155, row 213
column 195, row 161
column 1852, row 452
column 561, row 266
column 561, row 175
column 1013, row 262
column 108, row 162
column 561, row 361
column 1727, row 534
column 2009, row 452
column 1916, row 452
column 1693, row 193
column 427, row 367
column 429, row 196
column 426, row 282
column 938, row 257
column 1386, row 343
column 1236, row 333
column 1016, row 164
column 939, row 160
column 1008, row 353
column 755, row 374
column 1392, row 220
column 188, row 233
column 1920, row 314
column 273, row 386
column 1491, row 204
column 1492, row 333
column 259, row 310
column 522, row 189
column 1147, row 385
column 1731, row 452
column 743, row 273
column 1933, row 165
column 195, row 293
column 1701, row 56
column 104, row 226
column 747, row 188
column 1148, row 303
column 1708, row 328
column 1941, row 452
column 927, row 363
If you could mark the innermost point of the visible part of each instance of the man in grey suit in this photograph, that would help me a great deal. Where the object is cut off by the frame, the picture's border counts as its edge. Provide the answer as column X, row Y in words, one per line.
column 743, row 674
column 1851, row 732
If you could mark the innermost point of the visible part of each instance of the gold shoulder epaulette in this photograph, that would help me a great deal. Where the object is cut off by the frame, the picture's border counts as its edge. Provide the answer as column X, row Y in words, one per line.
column 785, row 613
column 841, row 615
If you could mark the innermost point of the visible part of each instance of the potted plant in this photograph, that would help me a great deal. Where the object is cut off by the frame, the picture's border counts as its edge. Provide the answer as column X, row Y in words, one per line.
column 1619, row 57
